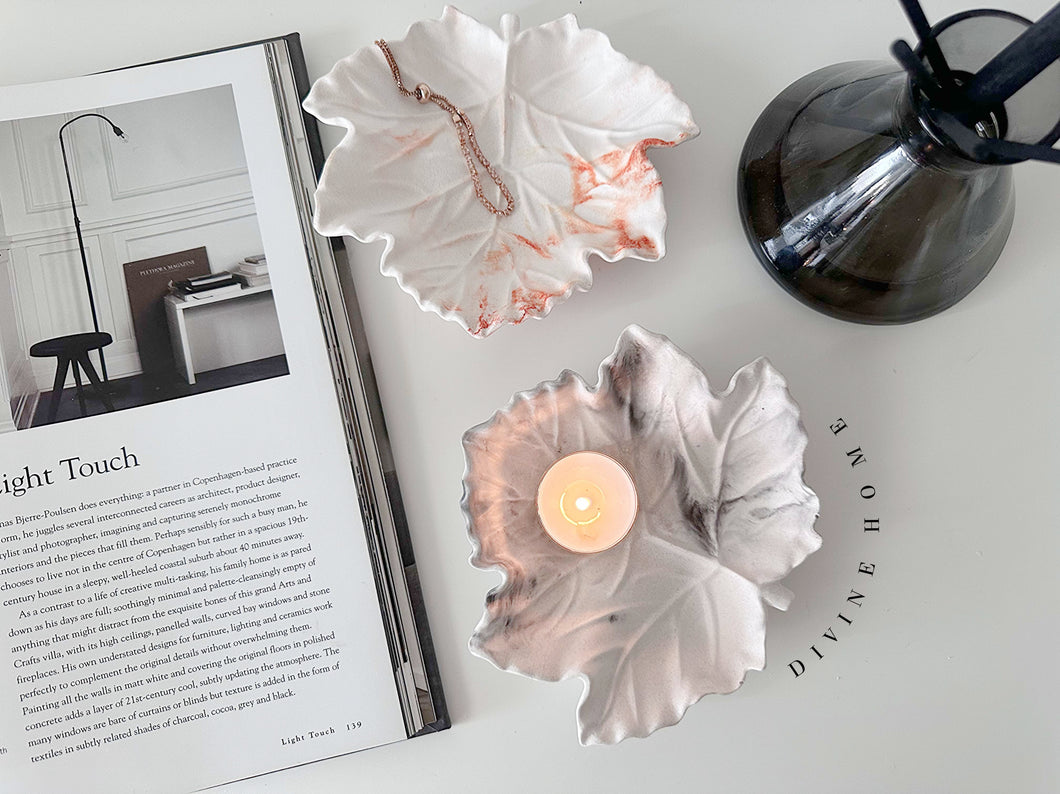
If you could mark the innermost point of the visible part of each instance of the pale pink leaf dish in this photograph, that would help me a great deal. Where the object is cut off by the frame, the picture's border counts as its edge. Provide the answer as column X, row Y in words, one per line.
column 676, row 610
column 564, row 118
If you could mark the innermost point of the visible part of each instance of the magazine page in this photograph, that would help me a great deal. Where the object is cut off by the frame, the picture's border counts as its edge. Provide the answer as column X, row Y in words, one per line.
column 186, row 593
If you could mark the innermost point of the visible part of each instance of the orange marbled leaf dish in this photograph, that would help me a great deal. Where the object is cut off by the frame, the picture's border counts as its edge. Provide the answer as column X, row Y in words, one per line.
column 565, row 120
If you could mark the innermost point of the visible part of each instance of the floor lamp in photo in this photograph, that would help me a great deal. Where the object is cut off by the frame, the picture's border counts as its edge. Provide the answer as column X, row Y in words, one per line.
column 71, row 351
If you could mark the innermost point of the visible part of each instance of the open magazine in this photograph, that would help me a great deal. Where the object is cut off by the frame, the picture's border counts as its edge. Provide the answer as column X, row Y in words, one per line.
column 205, row 573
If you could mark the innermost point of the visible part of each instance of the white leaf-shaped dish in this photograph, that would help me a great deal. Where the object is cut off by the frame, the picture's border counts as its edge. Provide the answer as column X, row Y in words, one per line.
column 565, row 119
column 675, row 610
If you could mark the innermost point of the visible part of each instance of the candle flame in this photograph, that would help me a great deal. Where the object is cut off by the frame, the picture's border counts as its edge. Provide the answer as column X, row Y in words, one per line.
column 581, row 503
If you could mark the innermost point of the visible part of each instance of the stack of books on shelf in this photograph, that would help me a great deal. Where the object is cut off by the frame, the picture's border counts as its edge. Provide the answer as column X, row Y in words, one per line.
column 211, row 285
column 253, row 271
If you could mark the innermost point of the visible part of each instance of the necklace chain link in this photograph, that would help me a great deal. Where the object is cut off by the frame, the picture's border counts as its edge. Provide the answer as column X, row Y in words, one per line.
column 464, row 130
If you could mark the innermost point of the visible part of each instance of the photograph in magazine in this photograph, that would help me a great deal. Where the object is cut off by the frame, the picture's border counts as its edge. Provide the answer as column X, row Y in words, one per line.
column 132, row 269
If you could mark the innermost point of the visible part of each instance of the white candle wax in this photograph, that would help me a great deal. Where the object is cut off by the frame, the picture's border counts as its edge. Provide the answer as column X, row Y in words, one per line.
column 587, row 502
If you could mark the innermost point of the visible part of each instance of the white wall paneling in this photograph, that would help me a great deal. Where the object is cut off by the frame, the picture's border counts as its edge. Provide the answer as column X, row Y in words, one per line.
column 229, row 232
column 53, row 301
column 210, row 148
column 55, row 277
column 7, row 422
column 40, row 165
column 12, row 355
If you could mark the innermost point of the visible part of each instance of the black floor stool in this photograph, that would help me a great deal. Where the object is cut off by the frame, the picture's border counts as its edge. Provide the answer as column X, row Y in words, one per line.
column 73, row 350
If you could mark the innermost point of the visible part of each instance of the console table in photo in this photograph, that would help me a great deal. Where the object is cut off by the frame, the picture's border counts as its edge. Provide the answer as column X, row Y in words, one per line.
column 224, row 330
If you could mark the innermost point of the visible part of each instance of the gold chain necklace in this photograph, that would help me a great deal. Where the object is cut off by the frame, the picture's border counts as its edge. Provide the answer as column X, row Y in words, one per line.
column 468, row 144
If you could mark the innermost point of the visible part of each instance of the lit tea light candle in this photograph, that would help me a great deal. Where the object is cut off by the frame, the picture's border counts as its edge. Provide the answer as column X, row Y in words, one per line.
column 587, row 502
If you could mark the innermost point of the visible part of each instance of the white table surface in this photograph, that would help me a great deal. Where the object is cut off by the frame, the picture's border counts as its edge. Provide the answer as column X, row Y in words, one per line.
column 947, row 678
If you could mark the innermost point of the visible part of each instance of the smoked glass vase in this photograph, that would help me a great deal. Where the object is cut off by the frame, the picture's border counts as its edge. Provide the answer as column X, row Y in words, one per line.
column 855, row 201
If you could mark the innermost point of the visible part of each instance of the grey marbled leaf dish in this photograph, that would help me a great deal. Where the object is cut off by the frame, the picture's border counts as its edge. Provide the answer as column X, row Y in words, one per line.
column 675, row 610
